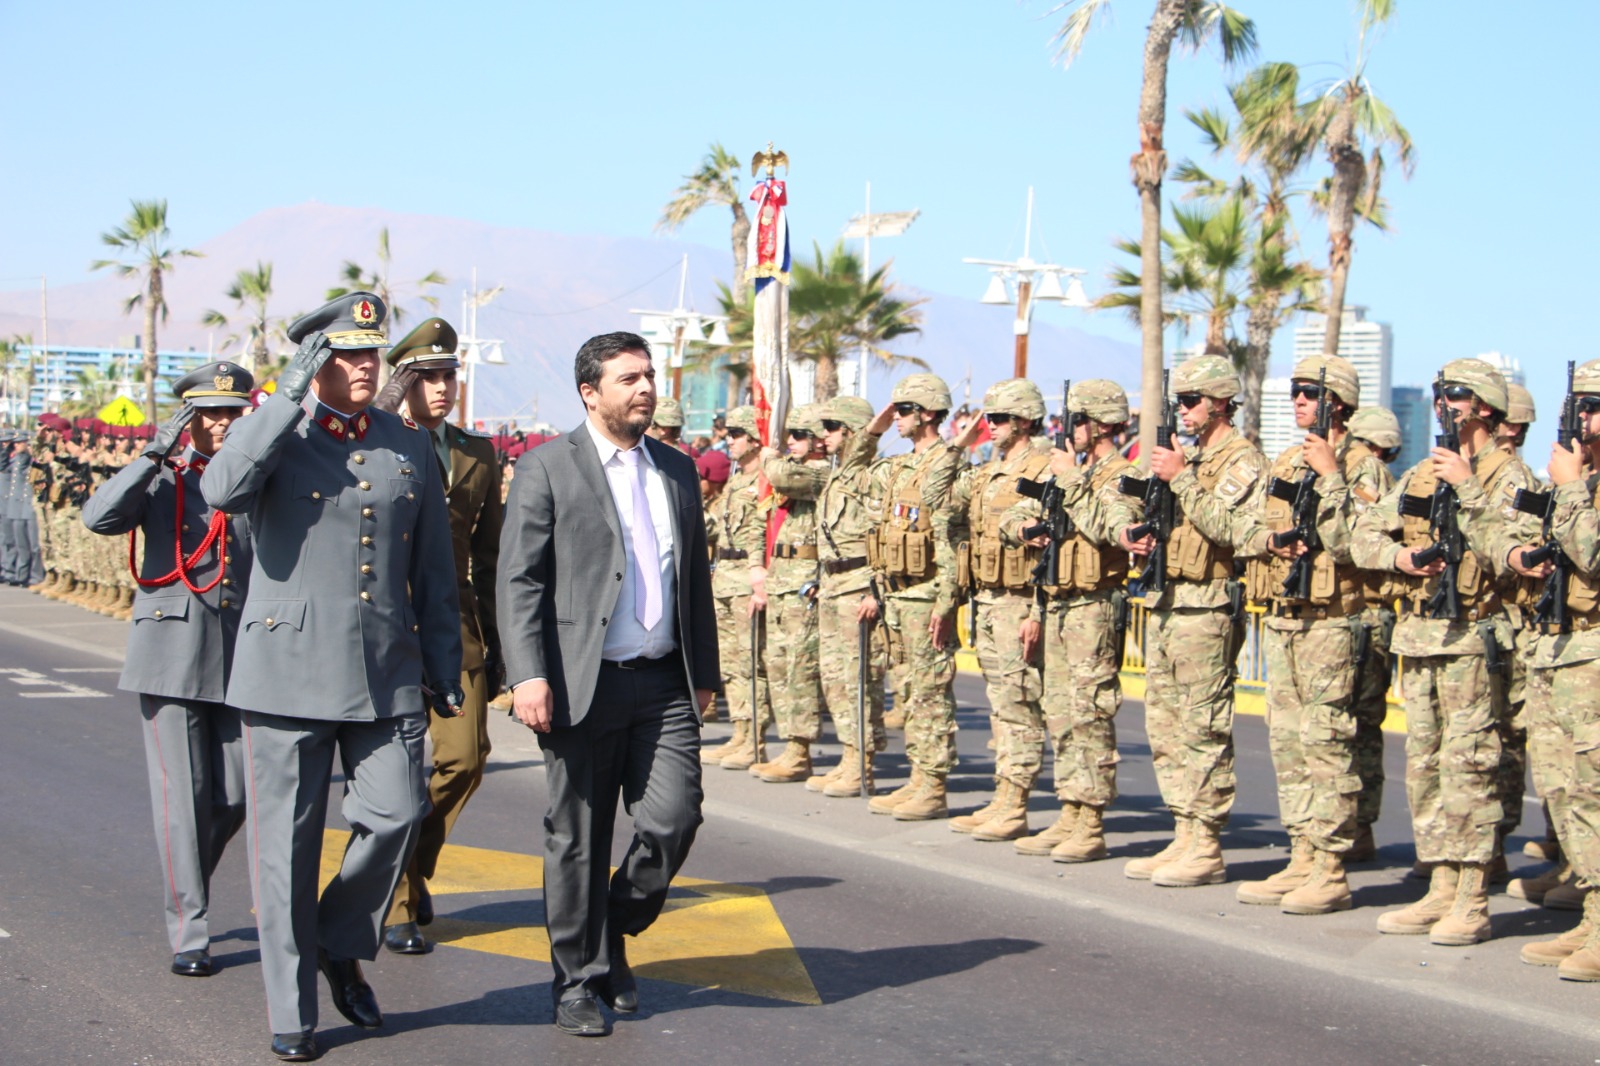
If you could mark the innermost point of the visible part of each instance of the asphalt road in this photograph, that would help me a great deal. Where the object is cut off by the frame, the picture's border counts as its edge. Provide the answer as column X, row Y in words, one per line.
column 805, row 930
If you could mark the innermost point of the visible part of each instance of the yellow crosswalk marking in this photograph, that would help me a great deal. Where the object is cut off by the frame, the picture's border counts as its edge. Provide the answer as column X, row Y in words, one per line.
column 710, row 934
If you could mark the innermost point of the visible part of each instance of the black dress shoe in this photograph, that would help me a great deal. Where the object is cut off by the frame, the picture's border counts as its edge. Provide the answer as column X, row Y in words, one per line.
column 352, row 996
column 622, row 992
column 406, row 939
column 296, row 1047
column 424, row 903
column 196, row 963
column 581, row 1017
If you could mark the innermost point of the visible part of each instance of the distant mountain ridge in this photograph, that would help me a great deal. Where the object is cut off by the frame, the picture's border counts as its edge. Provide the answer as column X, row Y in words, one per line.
column 560, row 289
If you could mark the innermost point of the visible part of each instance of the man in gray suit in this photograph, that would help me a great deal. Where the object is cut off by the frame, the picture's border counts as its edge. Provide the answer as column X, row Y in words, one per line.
column 609, row 635
column 350, row 621
column 180, row 646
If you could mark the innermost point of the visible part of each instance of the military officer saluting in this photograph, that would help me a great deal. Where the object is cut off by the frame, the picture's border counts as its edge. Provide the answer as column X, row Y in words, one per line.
column 350, row 621
column 181, row 645
column 424, row 381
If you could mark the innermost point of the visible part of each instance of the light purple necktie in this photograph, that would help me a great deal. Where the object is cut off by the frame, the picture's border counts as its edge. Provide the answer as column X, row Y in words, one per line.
column 646, row 557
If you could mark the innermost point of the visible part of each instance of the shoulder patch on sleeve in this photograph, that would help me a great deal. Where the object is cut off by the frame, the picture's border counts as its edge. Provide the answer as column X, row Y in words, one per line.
column 408, row 422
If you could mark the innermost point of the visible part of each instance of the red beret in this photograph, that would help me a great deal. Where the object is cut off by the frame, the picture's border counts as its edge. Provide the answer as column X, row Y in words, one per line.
column 714, row 467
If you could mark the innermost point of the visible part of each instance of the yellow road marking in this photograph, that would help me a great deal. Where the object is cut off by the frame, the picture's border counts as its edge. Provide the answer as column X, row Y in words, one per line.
column 710, row 934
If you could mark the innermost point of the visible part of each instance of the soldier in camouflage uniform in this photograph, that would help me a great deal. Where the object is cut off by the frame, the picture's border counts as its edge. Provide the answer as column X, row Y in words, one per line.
column 1376, row 432
column 1084, row 621
column 1565, row 681
column 42, row 450
column 915, row 488
column 1195, row 629
column 738, row 584
column 666, row 425
column 792, row 581
column 1455, row 704
column 849, row 599
column 1311, row 637
column 1510, row 435
column 998, row 577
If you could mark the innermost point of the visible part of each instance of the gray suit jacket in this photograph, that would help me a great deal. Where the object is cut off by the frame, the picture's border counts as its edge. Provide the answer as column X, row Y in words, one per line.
column 181, row 643
column 352, row 600
column 561, row 563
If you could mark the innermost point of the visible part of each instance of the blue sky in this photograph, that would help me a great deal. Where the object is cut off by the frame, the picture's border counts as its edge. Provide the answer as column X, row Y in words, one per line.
column 582, row 118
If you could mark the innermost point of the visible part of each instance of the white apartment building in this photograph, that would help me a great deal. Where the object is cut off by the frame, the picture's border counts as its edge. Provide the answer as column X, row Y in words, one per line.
column 1368, row 345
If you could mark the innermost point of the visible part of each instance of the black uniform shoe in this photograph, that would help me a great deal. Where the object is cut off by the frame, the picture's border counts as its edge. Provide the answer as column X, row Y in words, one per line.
column 621, row 992
column 296, row 1047
column 352, row 996
column 424, row 903
column 406, row 939
column 196, row 963
column 581, row 1017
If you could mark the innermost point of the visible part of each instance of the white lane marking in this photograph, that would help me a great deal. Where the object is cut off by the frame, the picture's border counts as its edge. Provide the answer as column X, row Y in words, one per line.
column 88, row 669
column 55, row 690
column 4, row 935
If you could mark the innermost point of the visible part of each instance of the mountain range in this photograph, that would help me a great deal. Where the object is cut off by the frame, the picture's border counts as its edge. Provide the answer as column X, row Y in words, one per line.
column 559, row 289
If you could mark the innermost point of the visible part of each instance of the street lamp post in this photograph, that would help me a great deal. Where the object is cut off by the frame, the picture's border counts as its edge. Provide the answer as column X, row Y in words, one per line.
column 1033, row 282
column 682, row 327
column 474, row 349
column 867, row 226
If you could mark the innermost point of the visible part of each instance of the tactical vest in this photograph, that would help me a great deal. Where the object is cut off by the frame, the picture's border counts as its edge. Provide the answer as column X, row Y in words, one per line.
column 1190, row 556
column 1084, row 566
column 902, row 544
column 1377, row 587
column 1338, row 588
column 1474, row 581
column 995, row 565
column 1583, row 590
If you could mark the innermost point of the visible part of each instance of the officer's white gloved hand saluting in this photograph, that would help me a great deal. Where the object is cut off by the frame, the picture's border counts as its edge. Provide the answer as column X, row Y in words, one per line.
column 166, row 438
column 295, row 381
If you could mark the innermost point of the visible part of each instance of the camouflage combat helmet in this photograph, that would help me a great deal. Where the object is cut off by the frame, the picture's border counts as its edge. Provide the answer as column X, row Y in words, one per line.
column 1342, row 377
column 1102, row 400
column 928, row 391
column 808, row 416
column 1208, row 375
column 669, row 412
column 1586, row 377
column 1487, row 383
column 1376, row 424
column 745, row 418
column 1017, row 396
column 1519, row 405
column 853, row 411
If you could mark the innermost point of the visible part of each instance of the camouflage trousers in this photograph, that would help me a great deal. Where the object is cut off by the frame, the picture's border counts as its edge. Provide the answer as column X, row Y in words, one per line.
column 839, row 645
column 733, row 647
column 1454, row 712
column 1082, row 693
column 927, row 677
column 792, row 667
column 1514, row 734
column 1013, row 685
column 1371, row 707
column 1188, row 702
column 1549, row 747
column 1311, row 730
column 1575, row 715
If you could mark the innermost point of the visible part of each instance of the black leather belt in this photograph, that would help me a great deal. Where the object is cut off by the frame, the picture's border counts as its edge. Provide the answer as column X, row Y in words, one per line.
column 732, row 553
column 642, row 663
column 843, row 566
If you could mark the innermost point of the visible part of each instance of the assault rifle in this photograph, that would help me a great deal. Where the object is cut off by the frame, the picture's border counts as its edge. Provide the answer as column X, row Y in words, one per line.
column 1055, row 523
column 1552, row 606
column 1303, row 496
column 1442, row 510
column 1160, row 510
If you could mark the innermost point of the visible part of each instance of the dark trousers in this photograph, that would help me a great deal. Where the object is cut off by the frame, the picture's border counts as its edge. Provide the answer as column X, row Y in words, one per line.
column 640, row 739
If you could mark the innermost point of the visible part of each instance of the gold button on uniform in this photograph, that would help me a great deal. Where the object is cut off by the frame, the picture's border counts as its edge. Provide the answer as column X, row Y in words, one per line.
column 228, row 581
column 366, row 568
column 366, row 486
column 366, row 596
column 316, row 495
column 230, row 538
column 226, row 603
column 366, row 542
column 413, row 629
column 269, row 623
column 366, row 512
column 158, row 614
column 359, row 458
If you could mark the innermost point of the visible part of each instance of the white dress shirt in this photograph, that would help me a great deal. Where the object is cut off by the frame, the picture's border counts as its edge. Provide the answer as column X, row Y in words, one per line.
column 626, row 636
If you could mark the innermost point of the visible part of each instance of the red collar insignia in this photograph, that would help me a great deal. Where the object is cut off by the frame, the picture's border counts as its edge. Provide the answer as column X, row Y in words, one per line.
column 353, row 429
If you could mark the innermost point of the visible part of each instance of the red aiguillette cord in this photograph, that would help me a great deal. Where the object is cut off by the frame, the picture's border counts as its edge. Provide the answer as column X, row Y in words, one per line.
column 180, row 570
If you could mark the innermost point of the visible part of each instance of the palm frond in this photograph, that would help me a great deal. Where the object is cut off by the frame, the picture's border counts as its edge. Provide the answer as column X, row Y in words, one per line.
column 1068, row 39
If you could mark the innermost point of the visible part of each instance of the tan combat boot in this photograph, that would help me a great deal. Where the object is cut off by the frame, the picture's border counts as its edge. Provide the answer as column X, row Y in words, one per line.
column 894, row 718
column 1565, row 897
column 51, row 579
column 741, row 737
column 1141, row 869
column 1551, row 952
column 1270, row 892
column 1546, row 850
column 1421, row 915
column 710, row 713
column 848, row 783
column 1088, row 840
column 817, row 782
column 1010, row 818
column 124, row 610
column 1046, row 839
column 747, row 754
column 1200, row 864
column 1421, row 871
column 55, row 586
column 792, row 766
column 966, row 823
column 887, row 804
column 1534, row 889
column 1583, row 964
column 1363, row 848
column 1325, row 891
column 926, row 803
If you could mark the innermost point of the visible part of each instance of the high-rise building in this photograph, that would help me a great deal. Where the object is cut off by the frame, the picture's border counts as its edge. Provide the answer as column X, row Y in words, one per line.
column 1368, row 345
column 1507, row 365
column 1278, row 430
column 1413, row 407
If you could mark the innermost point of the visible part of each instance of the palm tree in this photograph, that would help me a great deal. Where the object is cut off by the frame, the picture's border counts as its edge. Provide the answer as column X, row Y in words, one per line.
column 142, row 240
column 834, row 311
column 91, row 390
column 716, row 182
column 1193, row 22
column 16, row 376
column 358, row 279
column 251, row 289
column 1350, row 119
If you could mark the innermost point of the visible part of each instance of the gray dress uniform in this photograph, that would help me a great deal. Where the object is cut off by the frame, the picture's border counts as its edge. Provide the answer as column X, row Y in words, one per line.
column 179, row 649
column 352, row 604
column 20, row 560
